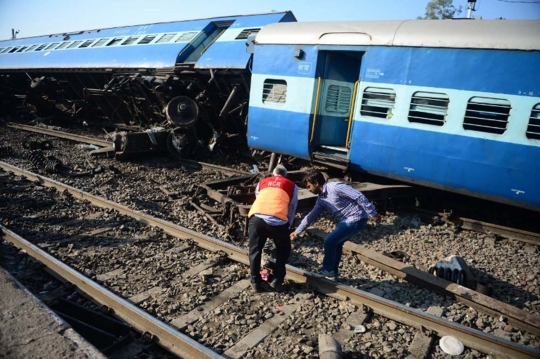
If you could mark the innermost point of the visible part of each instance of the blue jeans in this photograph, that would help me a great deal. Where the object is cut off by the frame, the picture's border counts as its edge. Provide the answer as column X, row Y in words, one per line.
column 333, row 243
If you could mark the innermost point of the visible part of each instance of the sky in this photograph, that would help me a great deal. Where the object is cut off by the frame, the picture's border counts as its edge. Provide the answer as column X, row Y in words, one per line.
column 44, row 17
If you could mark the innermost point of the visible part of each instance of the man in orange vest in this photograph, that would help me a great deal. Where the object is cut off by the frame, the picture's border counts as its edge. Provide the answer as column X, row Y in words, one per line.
column 271, row 216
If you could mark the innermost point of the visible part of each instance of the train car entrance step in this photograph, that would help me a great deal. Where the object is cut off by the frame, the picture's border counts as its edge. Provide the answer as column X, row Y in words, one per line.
column 326, row 159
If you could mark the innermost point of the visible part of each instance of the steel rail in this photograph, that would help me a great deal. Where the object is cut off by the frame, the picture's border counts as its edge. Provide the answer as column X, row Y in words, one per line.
column 206, row 165
column 170, row 338
column 60, row 134
column 519, row 318
column 483, row 227
column 471, row 338
column 416, row 318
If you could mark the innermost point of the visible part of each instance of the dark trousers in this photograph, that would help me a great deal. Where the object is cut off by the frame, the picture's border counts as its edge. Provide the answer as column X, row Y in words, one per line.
column 259, row 231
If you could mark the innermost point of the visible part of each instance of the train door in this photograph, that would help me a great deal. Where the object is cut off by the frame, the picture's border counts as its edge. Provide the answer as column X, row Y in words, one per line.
column 332, row 119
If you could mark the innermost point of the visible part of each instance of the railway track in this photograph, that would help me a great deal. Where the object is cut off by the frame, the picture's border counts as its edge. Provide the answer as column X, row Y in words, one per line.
column 208, row 301
column 462, row 222
column 484, row 227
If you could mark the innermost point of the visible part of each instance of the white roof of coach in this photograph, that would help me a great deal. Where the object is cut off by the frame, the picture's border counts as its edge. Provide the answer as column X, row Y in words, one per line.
column 484, row 34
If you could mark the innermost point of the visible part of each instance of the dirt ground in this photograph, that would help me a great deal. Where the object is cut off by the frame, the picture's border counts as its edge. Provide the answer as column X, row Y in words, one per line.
column 30, row 330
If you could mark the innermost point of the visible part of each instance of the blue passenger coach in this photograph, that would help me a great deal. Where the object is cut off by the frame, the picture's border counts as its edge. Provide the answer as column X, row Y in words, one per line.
column 193, row 76
column 450, row 104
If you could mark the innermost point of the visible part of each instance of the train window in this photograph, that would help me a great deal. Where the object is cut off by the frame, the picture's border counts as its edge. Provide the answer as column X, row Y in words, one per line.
column 115, row 41
column 338, row 99
column 62, row 45
column 100, row 42
column 378, row 102
column 165, row 38
column 533, row 130
column 31, row 48
column 487, row 115
column 186, row 36
column 147, row 39
column 40, row 47
column 5, row 49
column 274, row 91
column 14, row 49
column 245, row 33
column 86, row 44
column 52, row 46
column 429, row 108
column 22, row 49
column 131, row 40
column 74, row 44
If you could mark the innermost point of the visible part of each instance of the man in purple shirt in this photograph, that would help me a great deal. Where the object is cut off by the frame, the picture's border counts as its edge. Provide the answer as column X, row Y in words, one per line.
column 352, row 210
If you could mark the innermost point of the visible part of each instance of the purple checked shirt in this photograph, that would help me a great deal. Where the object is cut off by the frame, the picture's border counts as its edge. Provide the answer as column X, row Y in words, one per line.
column 345, row 203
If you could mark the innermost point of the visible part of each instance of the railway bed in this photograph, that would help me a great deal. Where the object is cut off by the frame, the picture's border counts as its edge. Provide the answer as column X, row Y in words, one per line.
column 330, row 325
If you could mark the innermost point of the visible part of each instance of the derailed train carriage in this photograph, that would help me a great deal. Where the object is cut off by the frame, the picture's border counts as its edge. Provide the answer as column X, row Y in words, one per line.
column 448, row 104
column 190, row 77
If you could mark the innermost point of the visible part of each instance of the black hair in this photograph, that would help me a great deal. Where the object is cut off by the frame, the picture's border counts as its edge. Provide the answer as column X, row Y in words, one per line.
column 314, row 177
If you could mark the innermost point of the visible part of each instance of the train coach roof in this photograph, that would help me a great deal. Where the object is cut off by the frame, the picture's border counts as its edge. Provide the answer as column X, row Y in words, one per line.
column 158, row 46
column 486, row 34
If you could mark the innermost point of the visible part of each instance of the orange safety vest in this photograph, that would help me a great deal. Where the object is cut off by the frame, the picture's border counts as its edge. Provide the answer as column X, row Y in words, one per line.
column 275, row 194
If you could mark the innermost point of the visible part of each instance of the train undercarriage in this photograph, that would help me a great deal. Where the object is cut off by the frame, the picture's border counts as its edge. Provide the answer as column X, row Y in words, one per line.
column 180, row 109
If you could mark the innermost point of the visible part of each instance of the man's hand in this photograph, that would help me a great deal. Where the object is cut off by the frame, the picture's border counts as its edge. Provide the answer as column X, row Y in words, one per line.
column 293, row 235
column 376, row 219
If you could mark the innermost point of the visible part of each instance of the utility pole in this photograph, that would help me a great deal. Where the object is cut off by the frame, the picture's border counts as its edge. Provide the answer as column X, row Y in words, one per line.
column 470, row 8
column 14, row 33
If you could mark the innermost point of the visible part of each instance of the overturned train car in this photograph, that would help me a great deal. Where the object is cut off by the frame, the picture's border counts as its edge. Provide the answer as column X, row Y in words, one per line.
column 190, row 78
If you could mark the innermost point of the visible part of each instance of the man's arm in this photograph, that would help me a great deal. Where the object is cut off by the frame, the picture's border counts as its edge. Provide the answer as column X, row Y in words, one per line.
column 310, row 218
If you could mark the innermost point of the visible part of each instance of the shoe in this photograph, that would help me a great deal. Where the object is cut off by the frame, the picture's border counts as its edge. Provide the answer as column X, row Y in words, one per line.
column 330, row 274
column 277, row 285
column 257, row 288
column 261, row 287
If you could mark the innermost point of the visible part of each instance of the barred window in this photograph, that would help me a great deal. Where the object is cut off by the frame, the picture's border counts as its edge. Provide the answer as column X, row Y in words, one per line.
column 100, row 42
column 429, row 108
column 246, row 32
column 165, row 38
column 50, row 47
column 485, row 114
column 130, row 40
column 115, row 41
column 378, row 102
column 147, row 39
column 86, row 43
column 533, row 130
column 61, row 46
column 338, row 99
column 73, row 44
column 274, row 91
column 187, row 36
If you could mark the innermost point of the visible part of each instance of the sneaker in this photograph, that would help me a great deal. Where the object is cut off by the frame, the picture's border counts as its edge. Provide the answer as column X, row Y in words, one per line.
column 277, row 285
column 330, row 274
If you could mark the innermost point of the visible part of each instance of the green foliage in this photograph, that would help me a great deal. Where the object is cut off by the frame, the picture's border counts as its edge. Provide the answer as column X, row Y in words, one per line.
column 440, row 9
